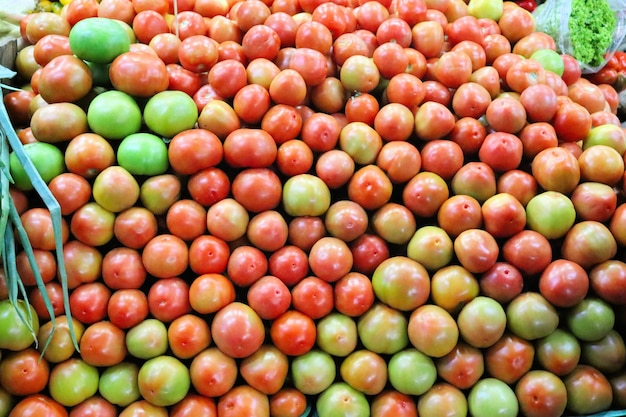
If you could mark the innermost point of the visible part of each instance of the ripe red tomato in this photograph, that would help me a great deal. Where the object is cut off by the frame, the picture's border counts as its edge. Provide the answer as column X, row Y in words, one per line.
column 38, row 405
column 23, row 373
column 293, row 333
column 168, row 299
column 103, row 344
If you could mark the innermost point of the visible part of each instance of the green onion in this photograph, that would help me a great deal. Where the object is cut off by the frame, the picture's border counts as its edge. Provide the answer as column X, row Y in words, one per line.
column 10, row 223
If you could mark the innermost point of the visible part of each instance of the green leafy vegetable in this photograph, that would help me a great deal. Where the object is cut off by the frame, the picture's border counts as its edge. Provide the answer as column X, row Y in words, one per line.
column 588, row 30
column 591, row 27
column 10, row 223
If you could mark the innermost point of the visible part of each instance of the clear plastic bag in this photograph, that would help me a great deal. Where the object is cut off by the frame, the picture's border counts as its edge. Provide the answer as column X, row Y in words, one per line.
column 552, row 17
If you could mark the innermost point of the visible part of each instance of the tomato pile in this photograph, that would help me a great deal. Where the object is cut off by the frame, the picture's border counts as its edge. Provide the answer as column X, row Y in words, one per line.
column 384, row 208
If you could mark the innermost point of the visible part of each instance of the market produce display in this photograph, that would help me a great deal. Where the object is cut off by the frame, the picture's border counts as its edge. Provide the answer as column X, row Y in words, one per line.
column 298, row 207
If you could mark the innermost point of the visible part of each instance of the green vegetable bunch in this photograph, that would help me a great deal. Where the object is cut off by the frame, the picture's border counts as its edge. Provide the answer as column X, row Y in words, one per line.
column 10, row 224
column 589, row 30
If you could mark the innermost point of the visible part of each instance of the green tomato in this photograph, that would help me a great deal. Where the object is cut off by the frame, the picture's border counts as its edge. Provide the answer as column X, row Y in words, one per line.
column 170, row 112
column 114, row 115
column 143, row 154
column 305, row 195
column 591, row 319
column 491, row 397
column 99, row 74
column 313, row 372
column 163, row 381
column 14, row 333
column 411, row 372
column 7, row 402
column 98, row 40
column 549, row 60
column 551, row 214
column 486, row 9
column 73, row 381
column 147, row 339
column 47, row 159
column 340, row 399
column 118, row 384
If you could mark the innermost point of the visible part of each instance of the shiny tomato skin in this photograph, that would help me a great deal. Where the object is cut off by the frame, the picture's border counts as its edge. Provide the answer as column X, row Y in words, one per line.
column 293, row 333
column 38, row 405
column 139, row 74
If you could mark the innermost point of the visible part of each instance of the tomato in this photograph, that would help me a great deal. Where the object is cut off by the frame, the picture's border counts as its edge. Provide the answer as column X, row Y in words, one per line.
column 213, row 373
column 98, row 40
column 246, row 265
column 168, row 113
column 83, row 263
column 442, row 157
column 288, row 402
column 122, row 10
column 293, row 333
column 88, row 302
column 506, row 115
column 138, row 74
column 165, row 256
column 193, row 405
column 237, row 330
column 54, row 292
column 122, row 267
column 22, row 373
column 127, row 308
column 251, row 103
column 45, row 23
column 249, row 148
column 147, row 24
column 134, row 227
column 38, row 405
column 168, row 299
column 243, row 400
column 102, row 344
column 188, row 335
column 313, row 289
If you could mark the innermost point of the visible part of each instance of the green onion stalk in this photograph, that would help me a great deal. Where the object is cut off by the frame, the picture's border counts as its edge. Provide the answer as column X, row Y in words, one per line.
column 12, row 231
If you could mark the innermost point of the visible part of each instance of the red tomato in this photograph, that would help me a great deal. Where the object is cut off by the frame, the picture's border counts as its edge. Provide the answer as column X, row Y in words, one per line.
column 134, row 227
column 117, row 9
column 45, row 261
column 186, row 219
column 54, row 291
column 168, row 299
column 147, row 24
column 313, row 296
column 38, row 405
column 269, row 297
column 246, row 265
column 103, row 344
column 65, row 78
column 293, row 333
column 188, row 335
column 442, row 157
column 37, row 223
column 194, row 405
column 210, row 292
column 213, row 373
column 127, row 307
column 249, row 147
column 139, row 74
column 89, row 302
column 237, row 330
column 23, row 372
column 71, row 191
column 198, row 53
column 243, row 400
column 165, row 256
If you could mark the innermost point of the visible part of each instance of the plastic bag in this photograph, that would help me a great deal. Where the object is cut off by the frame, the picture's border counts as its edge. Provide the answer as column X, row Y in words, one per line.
column 553, row 18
